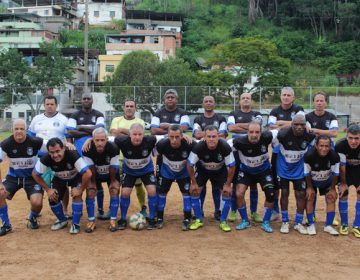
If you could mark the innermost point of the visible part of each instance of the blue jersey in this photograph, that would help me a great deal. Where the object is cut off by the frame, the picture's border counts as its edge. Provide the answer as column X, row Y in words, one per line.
column 290, row 159
column 22, row 156
column 173, row 160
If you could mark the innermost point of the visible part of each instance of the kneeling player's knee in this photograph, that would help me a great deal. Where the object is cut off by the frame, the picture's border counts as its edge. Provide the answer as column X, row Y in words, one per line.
column 270, row 194
column 91, row 193
column 3, row 194
column 330, row 198
column 114, row 191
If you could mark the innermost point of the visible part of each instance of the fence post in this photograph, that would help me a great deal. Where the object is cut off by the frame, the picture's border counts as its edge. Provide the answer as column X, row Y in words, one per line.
column 159, row 95
column 310, row 97
column 111, row 95
column 234, row 99
column 260, row 98
column 134, row 92
column 185, row 97
column 209, row 90
column 336, row 99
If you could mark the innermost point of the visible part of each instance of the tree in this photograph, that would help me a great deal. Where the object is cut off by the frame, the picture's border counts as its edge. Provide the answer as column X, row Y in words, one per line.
column 252, row 56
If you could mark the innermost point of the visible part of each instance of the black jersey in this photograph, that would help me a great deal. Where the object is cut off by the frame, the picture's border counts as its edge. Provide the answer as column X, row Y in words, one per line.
column 67, row 169
column 290, row 159
column 174, row 160
column 212, row 160
column 327, row 121
column 137, row 159
column 279, row 114
column 80, row 117
column 241, row 117
column 349, row 157
column 22, row 156
column 254, row 158
column 103, row 161
column 216, row 120
column 321, row 169
column 178, row 116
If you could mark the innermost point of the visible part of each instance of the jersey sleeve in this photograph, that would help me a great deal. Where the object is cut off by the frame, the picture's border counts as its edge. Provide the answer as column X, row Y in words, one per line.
column 258, row 116
column 185, row 120
column 114, row 124
column 78, row 162
column 229, row 156
column 100, row 120
column 88, row 160
column 155, row 120
column 2, row 155
column 231, row 119
column 223, row 125
column 342, row 155
column 272, row 117
column 334, row 125
column 72, row 122
column 197, row 125
column 335, row 165
column 42, row 165
column 31, row 129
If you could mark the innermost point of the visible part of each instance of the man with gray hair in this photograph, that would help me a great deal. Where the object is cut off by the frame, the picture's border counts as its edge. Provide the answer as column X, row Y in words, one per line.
column 281, row 117
column 21, row 151
column 103, row 159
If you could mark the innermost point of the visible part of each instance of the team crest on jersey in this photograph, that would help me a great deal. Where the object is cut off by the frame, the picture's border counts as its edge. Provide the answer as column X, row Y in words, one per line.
column 314, row 124
column 281, row 116
column 184, row 154
column 216, row 123
column 37, row 188
column 220, row 157
column 240, row 174
column 29, row 151
column 239, row 118
column 292, row 115
column 289, row 143
column 327, row 123
column 177, row 118
column 14, row 151
column 107, row 159
column 268, row 178
column 144, row 153
column 206, row 157
column 263, row 148
column 81, row 118
column 203, row 125
column 316, row 165
column 250, row 151
column 328, row 164
column 129, row 153
column 187, row 186
column 93, row 119
column 56, row 124
column 152, row 179
column 69, row 166
column 164, row 117
column 303, row 145
column 253, row 118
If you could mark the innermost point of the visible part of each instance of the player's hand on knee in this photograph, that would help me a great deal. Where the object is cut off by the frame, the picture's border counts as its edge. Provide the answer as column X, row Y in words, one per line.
column 227, row 190
column 3, row 192
column 343, row 190
column 194, row 189
column 52, row 195
column 76, row 192
column 332, row 195
column 310, row 194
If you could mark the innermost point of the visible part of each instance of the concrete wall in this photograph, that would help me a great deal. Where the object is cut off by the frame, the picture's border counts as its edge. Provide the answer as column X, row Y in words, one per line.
column 348, row 105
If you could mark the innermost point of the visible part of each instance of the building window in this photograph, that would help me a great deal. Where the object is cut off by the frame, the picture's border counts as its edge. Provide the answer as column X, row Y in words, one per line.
column 161, row 29
column 173, row 29
column 112, row 14
column 109, row 68
column 46, row 12
column 8, row 115
column 22, row 115
column 96, row 14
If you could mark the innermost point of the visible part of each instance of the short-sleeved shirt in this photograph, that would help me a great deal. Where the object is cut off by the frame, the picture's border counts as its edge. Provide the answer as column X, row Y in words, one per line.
column 327, row 121
column 49, row 127
column 216, row 120
column 81, row 117
column 103, row 161
column 173, row 160
column 67, row 169
column 137, row 159
column 279, row 114
column 349, row 157
column 22, row 156
column 254, row 158
column 212, row 161
column 178, row 116
column 241, row 117
column 321, row 169
column 290, row 159
column 121, row 122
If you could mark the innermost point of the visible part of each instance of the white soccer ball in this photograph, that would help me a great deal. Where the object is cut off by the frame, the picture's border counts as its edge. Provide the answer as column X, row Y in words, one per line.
column 137, row 221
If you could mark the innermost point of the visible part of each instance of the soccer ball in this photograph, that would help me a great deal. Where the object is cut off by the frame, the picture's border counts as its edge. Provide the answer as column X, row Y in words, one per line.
column 137, row 221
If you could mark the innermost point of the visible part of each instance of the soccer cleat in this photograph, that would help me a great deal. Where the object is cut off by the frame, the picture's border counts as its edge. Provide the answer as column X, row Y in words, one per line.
column 217, row 215
column 224, row 226
column 151, row 224
column 103, row 216
column 74, row 229
column 331, row 230
column 90, row 227
column 285, row 228
column 113, row 226
column 160, row 223
column 311, row 230
column 274, row 216
column 256, row 217
column 243, row 225
column 335, row 222
column 301, row 229
column 59, row 225
column 266, row 227
column 196, row 225
column 121, row 224
column 5, row 229
column 232, row 216
column 344, row 230
column 143, row 211
column 356, row 231
column 185, row 225
column 33, row 223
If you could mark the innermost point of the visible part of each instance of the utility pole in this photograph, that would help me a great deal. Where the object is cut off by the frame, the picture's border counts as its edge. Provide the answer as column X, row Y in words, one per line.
column 86, row 47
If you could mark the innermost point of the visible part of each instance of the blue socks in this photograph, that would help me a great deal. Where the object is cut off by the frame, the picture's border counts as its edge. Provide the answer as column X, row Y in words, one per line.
column 276, row 206
column 253, row 200
column 33, row 215
column 357, row 214
column 329, row 218
column 124, row 206
column 195, row 204
column 161, row 202
column 216, row 197
column 285, row 216
column 299, row 218
column 90, row 207
column 152, row 201
column 58, row 211
column 267, row 214
column 114, row 205
column 100, row 201
column 77, row 212
column 226, row 205
column 186, row 203
column 310, row 218
column 243, row 214
column 343, row 210
column 4, row 215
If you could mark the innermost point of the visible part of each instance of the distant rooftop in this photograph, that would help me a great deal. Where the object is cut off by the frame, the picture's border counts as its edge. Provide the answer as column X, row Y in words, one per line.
column 142, row 14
